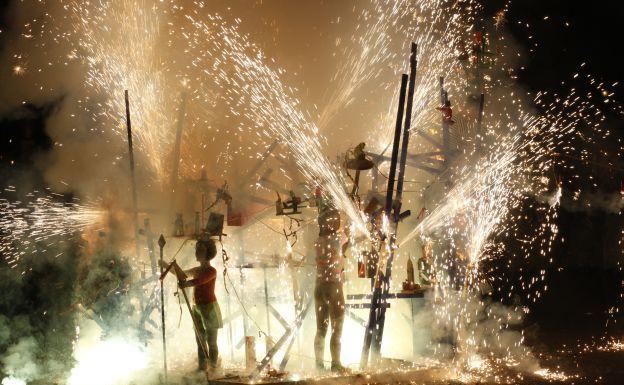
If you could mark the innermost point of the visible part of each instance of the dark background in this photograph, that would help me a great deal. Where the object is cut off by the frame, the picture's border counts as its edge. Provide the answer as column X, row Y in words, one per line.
column 585, row 279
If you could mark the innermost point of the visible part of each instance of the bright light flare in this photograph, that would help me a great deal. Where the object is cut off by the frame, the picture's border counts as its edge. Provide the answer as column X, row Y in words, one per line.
column 107, row 363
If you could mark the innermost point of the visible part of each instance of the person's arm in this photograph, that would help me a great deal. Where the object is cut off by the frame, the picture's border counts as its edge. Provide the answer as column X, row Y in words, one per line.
column 181, row 275
column 201, row 280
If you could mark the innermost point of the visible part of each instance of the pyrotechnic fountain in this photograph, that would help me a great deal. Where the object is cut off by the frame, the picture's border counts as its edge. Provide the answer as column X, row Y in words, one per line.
column 158, row 50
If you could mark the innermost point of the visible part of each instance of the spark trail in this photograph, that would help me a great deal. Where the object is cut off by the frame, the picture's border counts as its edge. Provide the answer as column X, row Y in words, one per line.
column 30, row 228
column 241, row 68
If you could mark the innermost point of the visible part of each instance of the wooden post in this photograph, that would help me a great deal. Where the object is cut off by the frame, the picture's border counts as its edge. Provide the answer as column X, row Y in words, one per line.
column 132, row 177
column 376, row 297
column 161, row 244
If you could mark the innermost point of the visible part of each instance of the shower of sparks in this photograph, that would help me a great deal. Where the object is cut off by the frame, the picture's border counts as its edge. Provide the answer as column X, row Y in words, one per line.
column 161, row 49
column 365, row 60
column 481, row 209
column 257, row 91
column 120, row 43
column 33, row 227
column 385, row 30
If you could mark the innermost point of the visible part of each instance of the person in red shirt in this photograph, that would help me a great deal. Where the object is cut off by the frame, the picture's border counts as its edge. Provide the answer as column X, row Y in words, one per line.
column 447, row 112
column 206, row 309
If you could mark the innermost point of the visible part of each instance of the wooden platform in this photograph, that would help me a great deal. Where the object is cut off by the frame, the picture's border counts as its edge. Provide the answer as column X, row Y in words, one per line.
column 406, row 376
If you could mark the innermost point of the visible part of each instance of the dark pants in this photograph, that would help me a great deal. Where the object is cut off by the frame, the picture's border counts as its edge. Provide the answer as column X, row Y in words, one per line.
column 330, row 306
column 210, row 336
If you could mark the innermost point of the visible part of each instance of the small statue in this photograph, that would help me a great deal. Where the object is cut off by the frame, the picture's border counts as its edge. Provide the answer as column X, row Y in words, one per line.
column 178, row 226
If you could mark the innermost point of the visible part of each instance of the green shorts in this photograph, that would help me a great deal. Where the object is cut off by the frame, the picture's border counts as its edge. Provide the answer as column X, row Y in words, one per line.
column 208, row 315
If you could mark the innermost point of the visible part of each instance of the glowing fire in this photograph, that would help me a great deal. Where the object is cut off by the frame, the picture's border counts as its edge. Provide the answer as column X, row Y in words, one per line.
column 107, row 363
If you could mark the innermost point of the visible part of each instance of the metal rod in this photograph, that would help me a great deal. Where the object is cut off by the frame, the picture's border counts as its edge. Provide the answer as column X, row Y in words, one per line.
column 375, row 300
column 241, row 241
column 198, row 335
column 200, row 338
column 266, row 302
column 176, row 152
column 161, row 244
column 408, row 123
column 278, row 345
column 395, row 145
column 230, row 332
column 446, row 134
column 381, row 319
column 132, row 176
column 480, row 121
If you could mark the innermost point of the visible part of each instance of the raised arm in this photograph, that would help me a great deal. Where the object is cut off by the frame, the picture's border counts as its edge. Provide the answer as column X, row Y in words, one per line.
column 201, row 280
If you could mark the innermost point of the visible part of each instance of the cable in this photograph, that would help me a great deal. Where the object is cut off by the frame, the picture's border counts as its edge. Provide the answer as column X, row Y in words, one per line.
column 240, row 302
column 405, row 181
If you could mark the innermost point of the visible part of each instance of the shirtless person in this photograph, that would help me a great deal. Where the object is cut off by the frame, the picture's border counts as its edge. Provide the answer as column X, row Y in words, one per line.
column 328, row 296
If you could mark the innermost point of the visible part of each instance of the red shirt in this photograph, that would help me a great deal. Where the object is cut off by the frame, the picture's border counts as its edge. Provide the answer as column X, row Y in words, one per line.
column 447, row 113
column 203, row 283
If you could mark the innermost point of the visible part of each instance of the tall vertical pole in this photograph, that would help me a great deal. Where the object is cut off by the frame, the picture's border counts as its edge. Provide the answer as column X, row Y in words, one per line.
column 376, row 297
column 446, row 134
column 241, row 241
column 161, row 244
column 176, row 153
column 132, row 176
column 399, row 193
column 269, row 339
column 480, row 122
column 395, row 145
column 408, row 123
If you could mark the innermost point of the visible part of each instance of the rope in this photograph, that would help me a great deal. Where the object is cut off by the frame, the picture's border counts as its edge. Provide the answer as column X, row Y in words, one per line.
column 225, row 258
column 405, row 181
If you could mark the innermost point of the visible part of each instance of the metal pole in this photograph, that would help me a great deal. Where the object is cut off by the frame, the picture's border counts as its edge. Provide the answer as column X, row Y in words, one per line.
column 395, row 145
column 266, row 301
column 376, row 297
column 480, row 121
column 278, row 345
column 408, row 123
column 399, row 193
column 446, row 135
column 133, row 179
column 176, row 151
column 241, row 242
column 161, row 244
